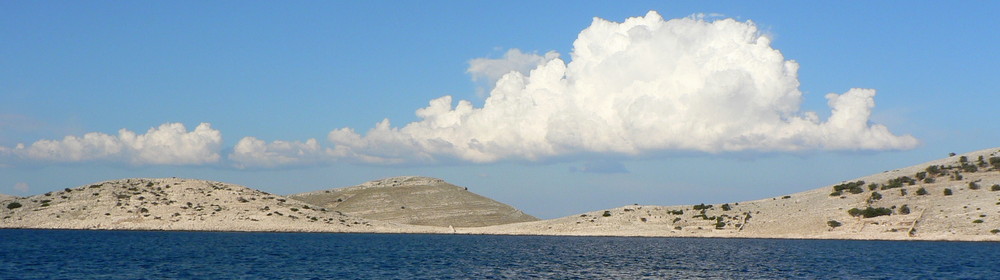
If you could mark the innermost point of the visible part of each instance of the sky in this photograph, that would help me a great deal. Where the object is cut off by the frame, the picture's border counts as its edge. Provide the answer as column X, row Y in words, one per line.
column 555, row 108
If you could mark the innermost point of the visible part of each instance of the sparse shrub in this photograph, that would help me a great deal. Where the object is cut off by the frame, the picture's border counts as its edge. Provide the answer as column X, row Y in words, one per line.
column 951, row 154
column 726, row 207
column 947, row 192
column 977, row 221
column 875, row 197
column 856, row 190
column 836, row 193
column 606, row 214
column 995, row 231
column 833, row 224
column 995, row 187
column 921, row 175
column 870, row 212
column 786, row 197
column 13, row 205
column 678, row 228
column 902, row 192
column 854, row 212
column 702, row 207
column 642, row 219
column 963, row 159
column 929, row 180
column 676, row 212
column 922, row 191
column 969, row 168
column 852, row 187
column 933, row 170
column 905, row 210
column 872, row 186
column 973, row 186
column 678, row 219
column 995, row 162
column 294, row 209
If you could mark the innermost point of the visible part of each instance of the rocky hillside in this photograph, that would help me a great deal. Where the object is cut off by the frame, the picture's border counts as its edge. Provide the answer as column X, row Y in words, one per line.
column 416, row 201
column 955, row 198
column 180, row 204
column 6, row 197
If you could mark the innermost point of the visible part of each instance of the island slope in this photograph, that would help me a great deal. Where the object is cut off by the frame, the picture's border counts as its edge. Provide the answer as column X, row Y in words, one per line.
column 955, row 198
column 417, row 201
column 180, row 204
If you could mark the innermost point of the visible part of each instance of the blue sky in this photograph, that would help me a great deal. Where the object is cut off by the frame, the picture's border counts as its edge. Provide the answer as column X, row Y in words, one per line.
column 295, row 72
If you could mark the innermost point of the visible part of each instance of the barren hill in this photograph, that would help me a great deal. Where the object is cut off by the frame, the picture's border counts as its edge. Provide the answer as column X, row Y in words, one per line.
column 6, row 197
column 417, row 201
column 179, row 204
column 955, row 198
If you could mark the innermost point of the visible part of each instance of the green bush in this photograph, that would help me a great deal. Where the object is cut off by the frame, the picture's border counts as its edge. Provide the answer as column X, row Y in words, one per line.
column 933, row 170
column 969, row 168
column 929, row 180
column 833, row 224
column 726, row 207
column 852, row 187
column 702, row 206
column 905, row 210
column 947, row 192
column 13, row 205
column 977, row 222
column 922, row 191
column 995, row 231
column 995, row 187
column 875, row 197
column 870, row 212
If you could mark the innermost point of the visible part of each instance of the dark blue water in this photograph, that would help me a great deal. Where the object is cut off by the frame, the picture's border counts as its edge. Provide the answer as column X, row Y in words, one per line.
column 51, row 254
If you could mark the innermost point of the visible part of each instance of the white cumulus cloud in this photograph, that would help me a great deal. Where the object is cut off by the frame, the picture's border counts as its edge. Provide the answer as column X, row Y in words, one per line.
column 169, row 144
column 489, row 70
column 643, row 85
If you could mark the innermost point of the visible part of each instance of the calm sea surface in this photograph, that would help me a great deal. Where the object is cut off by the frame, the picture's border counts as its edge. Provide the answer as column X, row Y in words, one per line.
column 70, row 254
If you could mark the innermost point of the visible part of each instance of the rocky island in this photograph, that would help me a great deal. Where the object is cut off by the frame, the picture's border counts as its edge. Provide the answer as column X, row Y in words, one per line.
column 954, row 198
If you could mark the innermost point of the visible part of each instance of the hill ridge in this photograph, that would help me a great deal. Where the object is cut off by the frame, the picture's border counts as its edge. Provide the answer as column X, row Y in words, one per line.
column 416, row 200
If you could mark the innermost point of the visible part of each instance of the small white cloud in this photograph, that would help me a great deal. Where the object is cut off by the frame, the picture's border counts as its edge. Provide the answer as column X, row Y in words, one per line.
column 601, row 166
column 22, row 187
column 169, row 144
column 252, row 152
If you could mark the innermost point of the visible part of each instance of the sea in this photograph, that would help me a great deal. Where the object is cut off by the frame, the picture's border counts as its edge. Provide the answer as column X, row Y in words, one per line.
column 85, row 254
